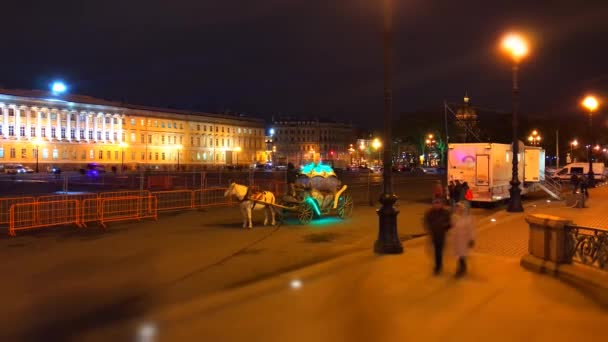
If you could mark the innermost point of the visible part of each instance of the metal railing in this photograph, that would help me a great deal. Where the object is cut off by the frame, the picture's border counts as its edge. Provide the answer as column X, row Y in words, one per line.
column 588, row 246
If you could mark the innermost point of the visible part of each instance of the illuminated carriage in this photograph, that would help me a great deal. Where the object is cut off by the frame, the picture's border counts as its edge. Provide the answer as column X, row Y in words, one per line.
column 318, row 191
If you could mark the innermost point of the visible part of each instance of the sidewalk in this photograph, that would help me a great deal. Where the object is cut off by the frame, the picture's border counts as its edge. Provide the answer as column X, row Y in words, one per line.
column 363, row 297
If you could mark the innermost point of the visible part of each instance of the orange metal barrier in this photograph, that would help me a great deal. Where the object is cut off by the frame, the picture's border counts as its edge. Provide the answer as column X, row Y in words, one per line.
column 43, row 214
column 133, row 193
column 176, row 199
column 90, row 210
column 127, row 208
column 5, row 207
column 63, row 197
column 210, row 198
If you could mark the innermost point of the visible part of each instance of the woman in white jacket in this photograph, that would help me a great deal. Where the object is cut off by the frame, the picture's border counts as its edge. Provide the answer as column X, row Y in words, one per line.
column 463, row 235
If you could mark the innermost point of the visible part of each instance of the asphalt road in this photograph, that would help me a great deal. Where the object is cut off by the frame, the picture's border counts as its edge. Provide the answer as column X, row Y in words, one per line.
column 62, row 283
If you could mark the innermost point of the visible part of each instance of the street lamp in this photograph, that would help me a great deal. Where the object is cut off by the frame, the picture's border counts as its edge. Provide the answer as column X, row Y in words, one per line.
column 517, row 47
column 534, row 138
column 237, row 150
column 351, row 150
column 388, row 239
column 376, row 144
column 37, row 142
column 361, row 148
column 573, row 144
column 123, row 145
column 591, row 104
column 178, row 147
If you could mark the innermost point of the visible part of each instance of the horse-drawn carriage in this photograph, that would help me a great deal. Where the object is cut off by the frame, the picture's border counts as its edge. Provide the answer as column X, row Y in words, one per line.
column 317, row 191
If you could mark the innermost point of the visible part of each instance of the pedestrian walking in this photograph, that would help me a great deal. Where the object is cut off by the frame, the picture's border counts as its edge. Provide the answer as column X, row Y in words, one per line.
column 584, row 185
column 574, row 182
column 457, row 191
column 437, row 222
column 463, row 237
column 451, row 194
column 467, row 195
column 438, row 190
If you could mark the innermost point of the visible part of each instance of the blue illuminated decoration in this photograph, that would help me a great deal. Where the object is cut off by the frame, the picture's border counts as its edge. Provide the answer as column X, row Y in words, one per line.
column 312, row 170
column 314, row 205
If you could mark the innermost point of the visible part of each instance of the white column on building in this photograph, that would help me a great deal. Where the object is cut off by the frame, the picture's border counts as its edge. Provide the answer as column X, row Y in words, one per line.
column 78, row 128
column 112, row 118
column 5, row 115
column 28, row 124
column 58, row 127
column 48, row 124
column 120, row 118
column 17, row 123
column 38, row 123
column 86, row 126
column 103, row 128
column 95, row 125
column 67, row 126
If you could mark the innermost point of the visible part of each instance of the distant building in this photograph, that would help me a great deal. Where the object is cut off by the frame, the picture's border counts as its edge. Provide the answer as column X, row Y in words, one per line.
column 71, row 131
column 298, row 141
column 467, row 123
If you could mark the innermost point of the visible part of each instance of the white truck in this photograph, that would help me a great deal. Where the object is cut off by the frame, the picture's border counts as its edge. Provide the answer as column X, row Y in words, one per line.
column 487, row 168
column 566, row 172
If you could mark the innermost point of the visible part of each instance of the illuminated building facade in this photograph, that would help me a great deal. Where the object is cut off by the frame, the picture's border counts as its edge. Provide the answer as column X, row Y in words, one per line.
column 71, row 131
column 298, row 141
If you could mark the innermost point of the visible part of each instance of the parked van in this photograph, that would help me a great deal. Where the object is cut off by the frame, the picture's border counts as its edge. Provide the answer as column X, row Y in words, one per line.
column 565, row 173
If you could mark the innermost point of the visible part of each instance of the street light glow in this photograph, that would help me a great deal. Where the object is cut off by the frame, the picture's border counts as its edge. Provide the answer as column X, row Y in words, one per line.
column 515, row 45
column 591, row 103
column 238, row 149
column 575, row 143
column 58, row 87
column 123, row 144
column 376, row 144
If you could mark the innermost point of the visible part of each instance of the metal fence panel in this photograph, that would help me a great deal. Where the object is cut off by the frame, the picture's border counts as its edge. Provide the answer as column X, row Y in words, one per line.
column 44, row 214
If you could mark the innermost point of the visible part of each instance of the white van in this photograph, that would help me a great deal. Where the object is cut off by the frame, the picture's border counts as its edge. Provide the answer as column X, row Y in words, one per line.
column 565, row 173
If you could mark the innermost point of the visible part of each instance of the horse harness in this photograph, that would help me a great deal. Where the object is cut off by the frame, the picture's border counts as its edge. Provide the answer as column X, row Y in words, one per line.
column 254, row 197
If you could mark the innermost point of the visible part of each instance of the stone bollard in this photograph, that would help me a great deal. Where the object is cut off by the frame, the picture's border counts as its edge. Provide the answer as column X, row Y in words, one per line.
column 548, row 239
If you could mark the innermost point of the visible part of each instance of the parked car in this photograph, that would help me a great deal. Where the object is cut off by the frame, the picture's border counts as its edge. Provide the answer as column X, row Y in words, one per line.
column 14, row 169
column 28, row 169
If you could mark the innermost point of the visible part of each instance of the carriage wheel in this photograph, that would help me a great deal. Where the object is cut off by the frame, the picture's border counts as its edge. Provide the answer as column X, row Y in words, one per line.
column 305, row 213
column 345, row 208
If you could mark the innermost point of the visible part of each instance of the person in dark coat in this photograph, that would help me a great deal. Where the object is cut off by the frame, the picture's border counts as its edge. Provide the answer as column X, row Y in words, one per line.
column 451, row 193
column 574, row 182
column 584, row 185
column 437, row 222
column 292, row 177
column 457, row 191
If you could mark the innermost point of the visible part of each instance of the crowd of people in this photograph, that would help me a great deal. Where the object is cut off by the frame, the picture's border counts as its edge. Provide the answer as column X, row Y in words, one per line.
column 438, row 220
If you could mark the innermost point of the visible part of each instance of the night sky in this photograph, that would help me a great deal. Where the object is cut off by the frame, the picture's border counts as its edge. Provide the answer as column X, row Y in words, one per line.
column 306, row 57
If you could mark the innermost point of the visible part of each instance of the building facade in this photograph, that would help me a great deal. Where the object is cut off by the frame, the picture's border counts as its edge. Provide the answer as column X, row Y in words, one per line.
column 467, row 123
column 299, row 141
column 72, row 131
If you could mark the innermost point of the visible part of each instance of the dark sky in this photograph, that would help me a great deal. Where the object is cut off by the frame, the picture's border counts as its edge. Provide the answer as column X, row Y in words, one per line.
column 317, row 57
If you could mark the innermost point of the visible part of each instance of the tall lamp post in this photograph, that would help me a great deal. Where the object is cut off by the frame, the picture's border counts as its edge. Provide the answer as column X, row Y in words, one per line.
column 37, row 142
column 237, row 150
column 178, row 148
column 534, row 138
column 351, row 150
column 376, row 144
column 123, row 145
column 388, row 239
column 573, row 144
column 591, row 104
column 517, row 48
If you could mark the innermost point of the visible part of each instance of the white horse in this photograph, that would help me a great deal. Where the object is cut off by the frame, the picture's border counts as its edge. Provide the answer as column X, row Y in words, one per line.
column 250, row 200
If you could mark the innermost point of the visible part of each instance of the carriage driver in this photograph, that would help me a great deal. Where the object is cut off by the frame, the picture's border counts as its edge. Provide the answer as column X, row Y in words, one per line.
column 292, row 177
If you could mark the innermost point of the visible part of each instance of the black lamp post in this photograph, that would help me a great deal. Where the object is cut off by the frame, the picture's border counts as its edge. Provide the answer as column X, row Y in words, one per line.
column 37, row 152
column 591, row 104
column 517, row 47
column 388, row 240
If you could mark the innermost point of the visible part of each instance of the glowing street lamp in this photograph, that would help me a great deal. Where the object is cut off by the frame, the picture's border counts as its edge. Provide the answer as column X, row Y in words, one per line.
column 37, row 142
column 517, row 48
column 591, row 104
column 376, row 144
column 534, row 138
column 58, row 87
column 178, row 147
column 237, row 150
column 123, row 145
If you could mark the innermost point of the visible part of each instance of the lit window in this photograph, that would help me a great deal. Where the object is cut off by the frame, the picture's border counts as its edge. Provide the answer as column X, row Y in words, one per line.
column 109, row 154
column 23, row 153
column 45, row 153
column 55, row 154
column 32, row 131
column 133, row 137
column 100, row 155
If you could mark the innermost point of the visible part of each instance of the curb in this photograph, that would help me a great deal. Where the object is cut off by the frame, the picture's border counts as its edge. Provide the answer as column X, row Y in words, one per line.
column 592, row 282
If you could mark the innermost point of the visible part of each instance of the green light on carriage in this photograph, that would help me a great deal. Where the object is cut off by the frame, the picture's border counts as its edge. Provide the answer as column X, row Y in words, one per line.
column 318, row 169
column 326, row 221
column 314, row 205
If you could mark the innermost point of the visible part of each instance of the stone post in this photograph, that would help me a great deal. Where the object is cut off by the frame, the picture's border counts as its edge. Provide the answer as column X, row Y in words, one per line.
column 548, row 239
